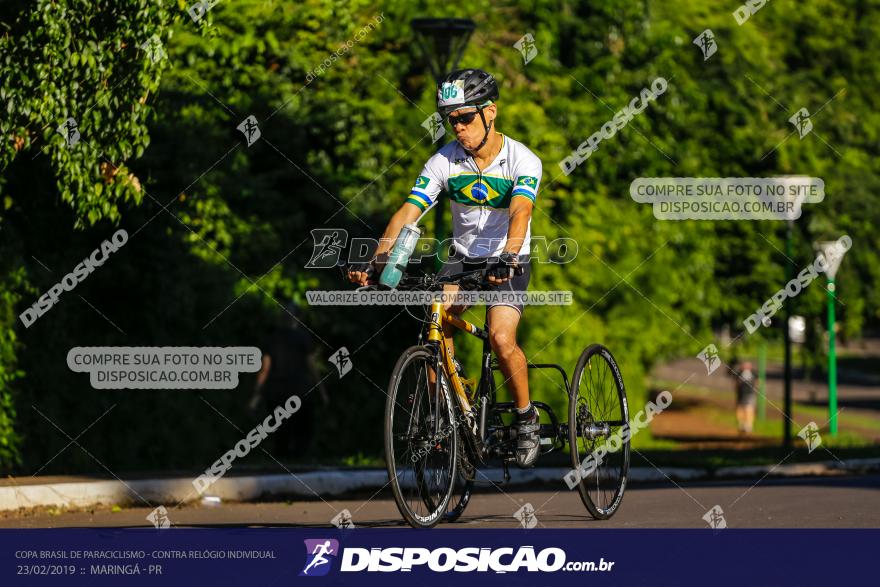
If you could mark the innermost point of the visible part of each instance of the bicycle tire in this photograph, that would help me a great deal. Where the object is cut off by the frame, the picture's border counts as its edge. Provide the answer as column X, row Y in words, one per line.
column 608, row 474
column 464, row 483
column 412, row 410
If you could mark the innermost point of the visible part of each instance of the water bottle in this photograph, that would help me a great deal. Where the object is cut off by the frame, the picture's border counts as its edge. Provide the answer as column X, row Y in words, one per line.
column 400, row 254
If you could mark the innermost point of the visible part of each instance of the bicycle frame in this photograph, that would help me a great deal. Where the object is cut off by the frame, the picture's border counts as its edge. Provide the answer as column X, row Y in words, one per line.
column 486, row 389
column 439, row 317
column 475, row 419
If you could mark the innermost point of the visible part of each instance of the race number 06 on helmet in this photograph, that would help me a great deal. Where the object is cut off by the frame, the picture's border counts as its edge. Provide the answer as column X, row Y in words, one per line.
column 467, row 88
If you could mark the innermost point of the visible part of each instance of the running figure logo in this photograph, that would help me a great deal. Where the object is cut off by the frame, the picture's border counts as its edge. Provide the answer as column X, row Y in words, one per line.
column 526, row 516
column 153, row 48
column 706, row 42
column 327, row 247
column 527, row 48
column 343, row 520
column 70, row 131
column 159, row 518
column 250, row 129
column 342, row 360
column 801, row 121
column 317, row 553
column 715, row 518
column 710, row 358
column 810, row 434
column 434, row 125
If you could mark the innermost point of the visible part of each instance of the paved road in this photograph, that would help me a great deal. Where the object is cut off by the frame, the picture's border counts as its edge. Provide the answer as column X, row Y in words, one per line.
column 820, row 502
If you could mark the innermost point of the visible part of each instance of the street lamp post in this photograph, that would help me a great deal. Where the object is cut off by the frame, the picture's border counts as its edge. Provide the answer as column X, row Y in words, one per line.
column 832, row 361
column 833, row 255
column 762, row 380
column 789, row 271
column 442, row 42
column 793, row 193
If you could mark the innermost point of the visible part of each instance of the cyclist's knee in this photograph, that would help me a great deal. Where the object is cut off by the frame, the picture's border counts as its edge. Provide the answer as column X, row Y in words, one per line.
column 503, row 343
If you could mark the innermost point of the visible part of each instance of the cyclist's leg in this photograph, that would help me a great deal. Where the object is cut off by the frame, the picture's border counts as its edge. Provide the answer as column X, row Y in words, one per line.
column 455, row 309
column 503, row 323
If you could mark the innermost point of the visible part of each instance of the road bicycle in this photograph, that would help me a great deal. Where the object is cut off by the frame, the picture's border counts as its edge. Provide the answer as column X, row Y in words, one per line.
column 441, row 427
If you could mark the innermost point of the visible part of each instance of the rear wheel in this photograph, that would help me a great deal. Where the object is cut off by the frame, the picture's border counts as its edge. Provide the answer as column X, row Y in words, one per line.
column 598, row 418
column 421, row 439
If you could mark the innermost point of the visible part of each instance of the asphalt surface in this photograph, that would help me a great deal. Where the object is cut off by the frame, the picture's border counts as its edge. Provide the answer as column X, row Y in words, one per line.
column 817, row 502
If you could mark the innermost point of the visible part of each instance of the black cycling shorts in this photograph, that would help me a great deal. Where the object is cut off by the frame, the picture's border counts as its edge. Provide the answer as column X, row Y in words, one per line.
column 518, row 283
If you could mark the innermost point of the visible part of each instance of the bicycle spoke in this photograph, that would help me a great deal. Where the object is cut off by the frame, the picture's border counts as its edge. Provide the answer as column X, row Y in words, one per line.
column 599, row 415
column 419, row 443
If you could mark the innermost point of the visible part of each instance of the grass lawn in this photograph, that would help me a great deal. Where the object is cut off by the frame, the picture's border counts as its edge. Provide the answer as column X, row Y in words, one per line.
column 712, row 412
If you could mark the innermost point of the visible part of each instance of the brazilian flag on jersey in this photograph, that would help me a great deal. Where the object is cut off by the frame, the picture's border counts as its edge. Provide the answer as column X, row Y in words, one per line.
column 471, row 189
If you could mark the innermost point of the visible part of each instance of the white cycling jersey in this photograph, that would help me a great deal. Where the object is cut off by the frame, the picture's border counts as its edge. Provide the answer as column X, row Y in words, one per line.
column 480, row 200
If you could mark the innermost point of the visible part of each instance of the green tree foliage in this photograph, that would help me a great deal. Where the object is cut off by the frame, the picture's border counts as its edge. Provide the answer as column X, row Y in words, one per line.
column 62, row 59
column 220, row 230
column 93, row 62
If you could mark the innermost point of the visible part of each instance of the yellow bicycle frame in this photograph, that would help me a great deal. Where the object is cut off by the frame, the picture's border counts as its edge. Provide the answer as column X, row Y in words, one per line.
column 439, row 317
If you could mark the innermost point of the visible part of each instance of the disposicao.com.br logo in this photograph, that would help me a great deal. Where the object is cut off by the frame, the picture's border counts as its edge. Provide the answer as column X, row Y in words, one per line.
column 441, row 560
column 319, row 556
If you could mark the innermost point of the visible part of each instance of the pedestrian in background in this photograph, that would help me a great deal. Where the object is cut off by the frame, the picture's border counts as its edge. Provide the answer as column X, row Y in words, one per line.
column 746, row 397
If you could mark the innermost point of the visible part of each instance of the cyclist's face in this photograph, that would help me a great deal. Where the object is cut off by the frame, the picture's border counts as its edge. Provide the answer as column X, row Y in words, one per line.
column 471, row 134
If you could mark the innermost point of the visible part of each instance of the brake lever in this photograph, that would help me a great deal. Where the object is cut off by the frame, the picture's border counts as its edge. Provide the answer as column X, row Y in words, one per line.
column 472, row 282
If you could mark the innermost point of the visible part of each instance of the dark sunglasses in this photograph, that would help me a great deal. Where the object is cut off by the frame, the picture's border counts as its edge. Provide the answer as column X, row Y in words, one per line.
column 464, row 119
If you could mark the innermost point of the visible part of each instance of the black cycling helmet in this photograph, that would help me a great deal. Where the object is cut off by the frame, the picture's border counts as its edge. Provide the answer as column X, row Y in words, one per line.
column 467, row 88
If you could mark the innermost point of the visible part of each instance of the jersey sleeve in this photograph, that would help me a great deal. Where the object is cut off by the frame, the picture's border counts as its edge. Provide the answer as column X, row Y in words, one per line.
column 528, row 177
column 429, row 184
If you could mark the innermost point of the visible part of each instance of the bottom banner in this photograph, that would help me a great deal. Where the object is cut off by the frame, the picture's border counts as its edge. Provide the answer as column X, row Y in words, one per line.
column 367, row 556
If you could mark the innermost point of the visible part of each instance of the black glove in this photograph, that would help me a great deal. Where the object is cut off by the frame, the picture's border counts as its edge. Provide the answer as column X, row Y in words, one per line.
column 506, row 266
column 367, row 268
column 371, row 268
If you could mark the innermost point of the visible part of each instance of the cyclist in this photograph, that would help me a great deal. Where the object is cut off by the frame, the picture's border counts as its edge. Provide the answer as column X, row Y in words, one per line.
column 492, row 181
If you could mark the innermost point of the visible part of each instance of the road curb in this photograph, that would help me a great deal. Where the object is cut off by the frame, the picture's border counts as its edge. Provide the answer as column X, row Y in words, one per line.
column 800, row 469
column 336, row 483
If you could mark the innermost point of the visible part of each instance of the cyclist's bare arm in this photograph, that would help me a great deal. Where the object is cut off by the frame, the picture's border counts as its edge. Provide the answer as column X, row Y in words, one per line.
column 520, row 214
column 406, row 214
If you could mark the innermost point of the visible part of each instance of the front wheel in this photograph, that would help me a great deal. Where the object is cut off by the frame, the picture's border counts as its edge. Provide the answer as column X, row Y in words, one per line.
column 598, row 429
column 464, row 485
column 421, row 439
